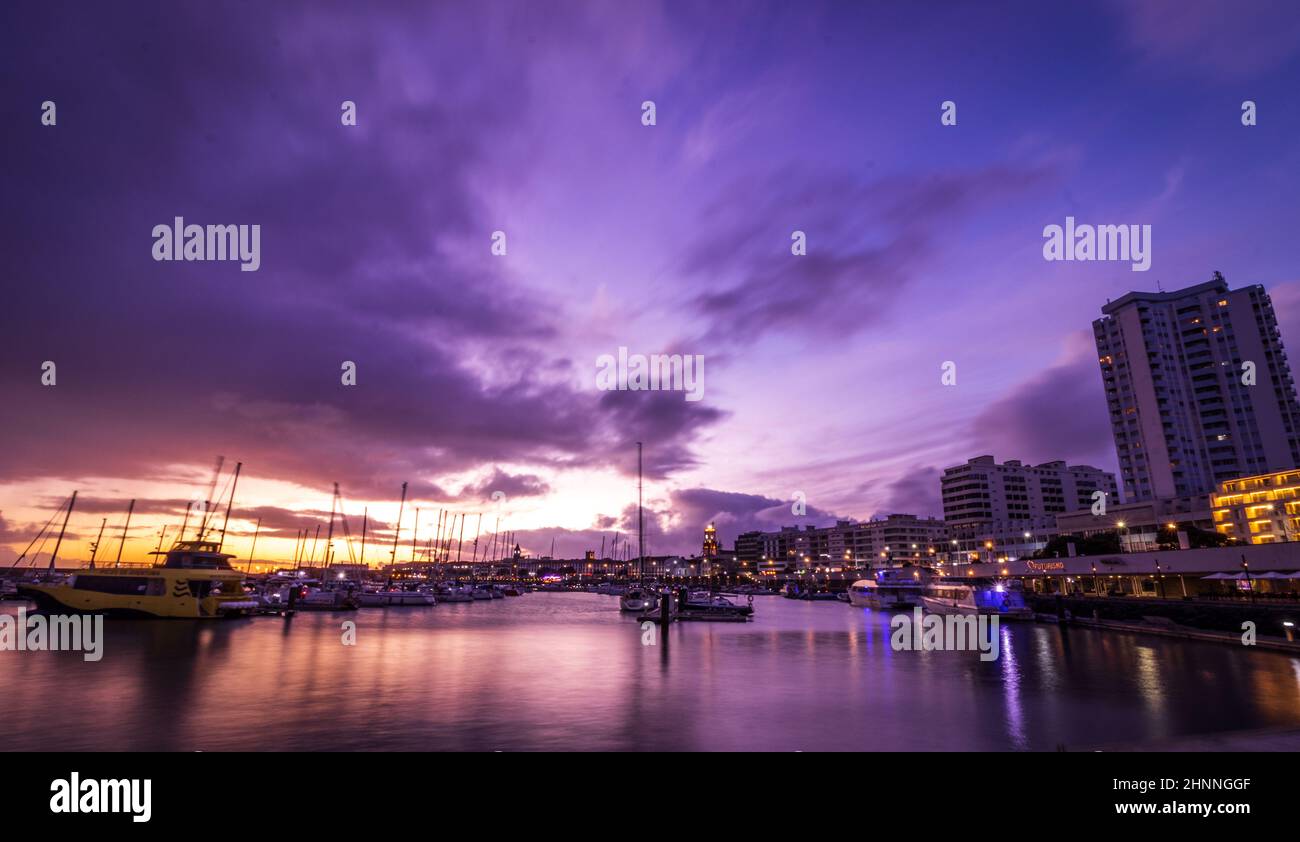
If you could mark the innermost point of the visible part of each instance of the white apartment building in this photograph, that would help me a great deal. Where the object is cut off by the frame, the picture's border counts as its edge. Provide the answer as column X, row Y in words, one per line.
column 1009, row 510
column 1177, row 368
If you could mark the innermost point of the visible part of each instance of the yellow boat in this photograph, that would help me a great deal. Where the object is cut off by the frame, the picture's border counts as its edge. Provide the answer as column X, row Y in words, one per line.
column 195, row 580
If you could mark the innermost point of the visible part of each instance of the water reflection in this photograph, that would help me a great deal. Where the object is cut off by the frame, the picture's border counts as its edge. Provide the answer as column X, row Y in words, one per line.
column 567, row 671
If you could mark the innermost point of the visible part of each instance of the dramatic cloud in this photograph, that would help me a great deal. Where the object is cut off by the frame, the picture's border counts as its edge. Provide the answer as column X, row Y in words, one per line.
column 474, row 371
column 1059, row 414
column 866, row 242
column 366, row 258
column 510, row 485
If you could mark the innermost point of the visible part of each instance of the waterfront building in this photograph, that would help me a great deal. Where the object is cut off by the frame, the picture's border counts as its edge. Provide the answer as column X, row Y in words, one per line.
column 1009, row 509
column 1265, row 569
column 1143, row 524
column 891, row 540
column 749, row 550
column 1198, row 388
column 1262, row 509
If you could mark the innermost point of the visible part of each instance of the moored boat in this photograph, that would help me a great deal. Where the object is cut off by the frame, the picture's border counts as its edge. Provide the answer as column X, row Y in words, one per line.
column 892, row 587
column 195, row 580
column 392, row 599
column 637, row 598
column 991, row 597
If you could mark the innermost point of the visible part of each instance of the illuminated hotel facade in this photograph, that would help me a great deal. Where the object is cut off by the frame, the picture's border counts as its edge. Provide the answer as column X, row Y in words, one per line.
column 1262, row 509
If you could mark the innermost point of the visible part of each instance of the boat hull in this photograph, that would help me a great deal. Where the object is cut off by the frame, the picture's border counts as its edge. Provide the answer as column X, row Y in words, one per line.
column 938, row 605
column 65, row 599
column 394, row 599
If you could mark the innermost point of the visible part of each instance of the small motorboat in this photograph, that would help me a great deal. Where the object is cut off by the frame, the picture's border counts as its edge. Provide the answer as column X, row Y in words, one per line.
column 638, row 599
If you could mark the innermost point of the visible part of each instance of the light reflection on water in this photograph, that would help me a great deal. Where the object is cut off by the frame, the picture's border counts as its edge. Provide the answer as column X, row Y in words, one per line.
column 567, row 671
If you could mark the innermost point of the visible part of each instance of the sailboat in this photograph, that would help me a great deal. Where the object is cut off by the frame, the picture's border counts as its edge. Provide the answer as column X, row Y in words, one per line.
column 638, row 597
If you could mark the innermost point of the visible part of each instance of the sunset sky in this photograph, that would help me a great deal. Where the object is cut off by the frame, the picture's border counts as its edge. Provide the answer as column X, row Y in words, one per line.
column 476, row 372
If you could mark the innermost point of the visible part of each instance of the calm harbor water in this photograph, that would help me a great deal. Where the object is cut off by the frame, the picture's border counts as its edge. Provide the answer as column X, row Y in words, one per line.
column 567, row 671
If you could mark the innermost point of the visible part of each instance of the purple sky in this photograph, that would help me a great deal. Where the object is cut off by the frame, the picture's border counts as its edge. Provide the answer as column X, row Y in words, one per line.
column 476, row 373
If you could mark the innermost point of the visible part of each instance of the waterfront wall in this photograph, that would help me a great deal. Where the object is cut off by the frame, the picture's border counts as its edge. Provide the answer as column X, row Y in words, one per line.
column 1261, row 558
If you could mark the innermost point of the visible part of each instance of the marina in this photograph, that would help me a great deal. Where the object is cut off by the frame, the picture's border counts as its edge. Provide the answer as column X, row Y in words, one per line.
column 568, row 670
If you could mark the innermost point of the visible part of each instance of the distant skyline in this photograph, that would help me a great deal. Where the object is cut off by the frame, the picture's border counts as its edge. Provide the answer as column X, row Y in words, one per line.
column 476, row 373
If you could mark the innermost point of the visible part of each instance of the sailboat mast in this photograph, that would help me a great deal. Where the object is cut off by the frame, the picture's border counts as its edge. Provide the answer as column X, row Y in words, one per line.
column 437, row 536
column 71, row 502
column 230, row 504
column 460, row 542
column 130, row 508
column 365, row 517
column 94, row 548
column 478, row 529
column 207, row 504
column 397, row 531
column 415, row 534
column 329, row 535
column 640, row 520
column 256, row 529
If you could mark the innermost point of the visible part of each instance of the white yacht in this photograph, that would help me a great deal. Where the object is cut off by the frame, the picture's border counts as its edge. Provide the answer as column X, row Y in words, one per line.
column 893, row 587
column 1001, row 598
column 388, row 599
